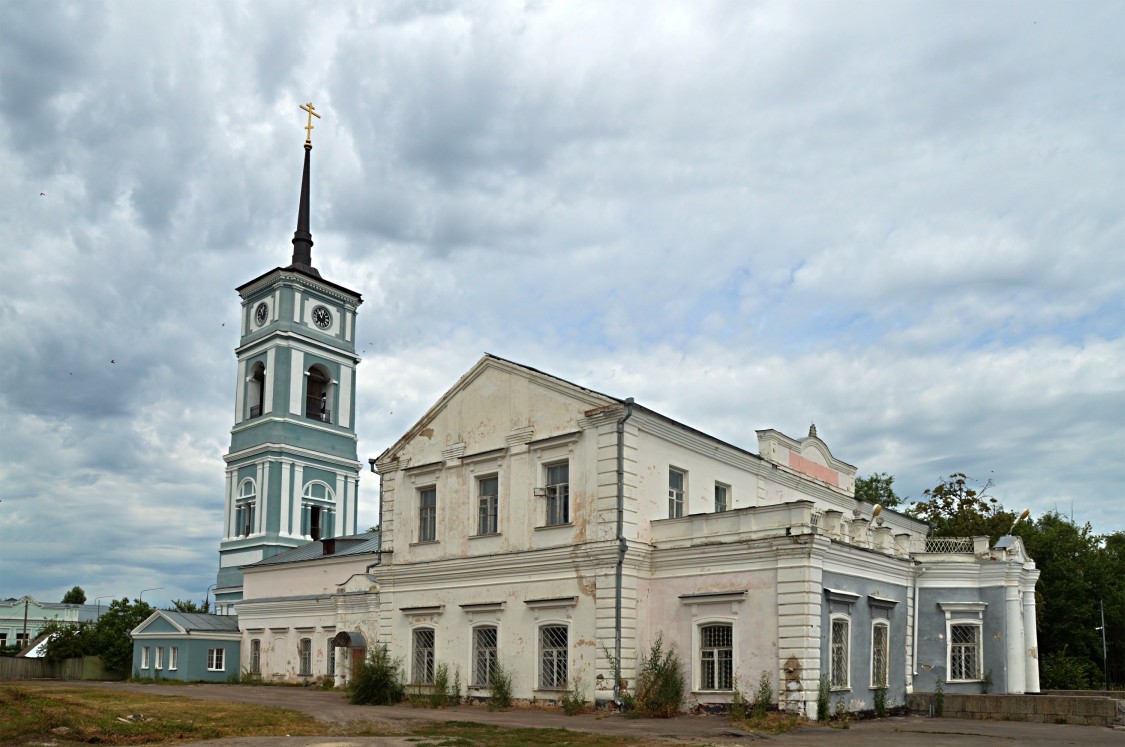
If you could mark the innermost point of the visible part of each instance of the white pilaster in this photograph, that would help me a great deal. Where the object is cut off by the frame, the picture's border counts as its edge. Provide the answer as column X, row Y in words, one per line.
column 297, row 303
column 296, row 382
column 345, row 404
column 263, row 491
column 295, row 507
column 271, row 375
column 1031, row 639
column 1014, row 640
column 228, row 503
column 341, row 495
column 285, row 512
column 239, row 393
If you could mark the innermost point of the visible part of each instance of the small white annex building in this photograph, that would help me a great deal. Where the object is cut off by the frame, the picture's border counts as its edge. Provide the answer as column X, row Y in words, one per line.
column 530, row 521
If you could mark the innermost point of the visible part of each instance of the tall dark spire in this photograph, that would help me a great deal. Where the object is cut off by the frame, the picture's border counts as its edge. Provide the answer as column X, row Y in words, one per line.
column 302, row 238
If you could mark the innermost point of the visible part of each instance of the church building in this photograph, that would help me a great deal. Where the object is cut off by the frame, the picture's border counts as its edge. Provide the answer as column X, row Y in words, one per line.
column 530, row 522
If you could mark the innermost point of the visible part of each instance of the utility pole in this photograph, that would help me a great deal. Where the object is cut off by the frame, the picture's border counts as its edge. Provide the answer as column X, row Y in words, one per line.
column 1105, row 661
column 25, row 601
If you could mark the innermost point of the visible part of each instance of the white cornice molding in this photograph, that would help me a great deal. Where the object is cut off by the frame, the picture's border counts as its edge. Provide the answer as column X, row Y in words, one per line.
column 297, row 341
column 281, row 277
column 304, row 457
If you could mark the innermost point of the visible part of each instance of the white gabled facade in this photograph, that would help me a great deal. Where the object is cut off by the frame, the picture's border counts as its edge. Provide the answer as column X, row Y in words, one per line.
column 561, row 531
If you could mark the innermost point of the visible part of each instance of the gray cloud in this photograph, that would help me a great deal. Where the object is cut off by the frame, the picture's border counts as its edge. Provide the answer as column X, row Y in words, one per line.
column 899, row 221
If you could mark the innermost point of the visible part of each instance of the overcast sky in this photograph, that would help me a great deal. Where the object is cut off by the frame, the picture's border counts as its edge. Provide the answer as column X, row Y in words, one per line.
column 902, row 221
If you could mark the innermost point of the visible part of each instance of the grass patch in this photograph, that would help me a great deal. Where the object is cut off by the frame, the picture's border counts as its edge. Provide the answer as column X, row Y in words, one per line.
column 94, row 715
column 468, row 734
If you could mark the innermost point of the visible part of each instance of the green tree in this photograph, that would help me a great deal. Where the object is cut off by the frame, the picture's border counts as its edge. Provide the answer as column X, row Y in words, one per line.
column 75, row 596
column 68, row 640
column 111, row 636
column 877, row 488
column 955, row 509
column 187, row 605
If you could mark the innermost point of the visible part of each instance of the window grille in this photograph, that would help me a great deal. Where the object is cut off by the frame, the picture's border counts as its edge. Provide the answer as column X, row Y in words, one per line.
column 427, row 515
column 553, row 657
column 558, row 494
column 422, row 672
column 839, row 648
column 675, row 493
column 330, row 662
column 716, row 657
column 255, row 656
column 949, row 544
column 487, row 505
column 879, row 651
column 484, row 655
column 964, row 652
column 304, row 657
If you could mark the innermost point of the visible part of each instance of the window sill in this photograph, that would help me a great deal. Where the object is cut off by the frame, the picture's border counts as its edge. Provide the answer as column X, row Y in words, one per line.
column 485, row 536
column 216, row 670
column 425, row 542
column 964, row 682
column 712, row 692
column 844, row 689
column 555, row 526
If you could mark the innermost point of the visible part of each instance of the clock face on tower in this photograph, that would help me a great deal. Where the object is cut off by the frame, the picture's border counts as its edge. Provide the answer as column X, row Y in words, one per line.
column 322, row 317
column 261, row 314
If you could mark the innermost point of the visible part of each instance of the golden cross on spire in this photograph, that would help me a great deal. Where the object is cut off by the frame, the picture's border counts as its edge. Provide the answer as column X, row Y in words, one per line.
column 309, row 127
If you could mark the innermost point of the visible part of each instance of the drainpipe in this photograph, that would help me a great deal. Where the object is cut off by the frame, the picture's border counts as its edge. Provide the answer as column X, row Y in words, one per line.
column 914, row 641
column 622, row 546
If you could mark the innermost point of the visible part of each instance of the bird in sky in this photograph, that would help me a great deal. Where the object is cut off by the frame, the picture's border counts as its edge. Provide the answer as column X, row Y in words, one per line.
column 113, row 361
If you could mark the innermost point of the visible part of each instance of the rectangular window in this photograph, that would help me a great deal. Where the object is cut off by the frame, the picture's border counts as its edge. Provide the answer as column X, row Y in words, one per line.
column 484, row 654
column 215, row 659
column 330, row 662
column 427, row 514
column 676, row 480
column 3, row 639
column 558, row 494
column 879, row 652
column 488, row 490
column 553, row 652
column 304, row 657
column 716, row 657
column 722, row 497
column 21, row 639
column 964, row 652
column 839, row 654
column 174, row 658
column 144, row 657
column 422, row 672
column 255, row 656
column 159, row 657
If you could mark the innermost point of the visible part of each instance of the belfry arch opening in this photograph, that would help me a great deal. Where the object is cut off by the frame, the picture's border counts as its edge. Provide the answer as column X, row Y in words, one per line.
column 256, row 389
column 318, row 395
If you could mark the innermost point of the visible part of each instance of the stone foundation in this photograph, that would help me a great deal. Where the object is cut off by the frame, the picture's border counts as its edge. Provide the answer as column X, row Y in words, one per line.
column 1092, row 710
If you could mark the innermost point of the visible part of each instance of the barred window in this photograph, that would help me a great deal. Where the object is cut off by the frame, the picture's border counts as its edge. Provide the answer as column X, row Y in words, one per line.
column 484, row 654
column 427, row 514
column 304, row 657
column 676, row 480
column 716, row 657
column 255, row 656
column 879, row 651
column 553, row 652
column 422, row 673
column 488, row 490
column 330, row 661
column 964, row 652
column 839, row 654
column 558, row 494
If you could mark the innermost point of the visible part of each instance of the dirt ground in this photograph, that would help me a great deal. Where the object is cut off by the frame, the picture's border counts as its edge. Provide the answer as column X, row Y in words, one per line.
column 685, row 730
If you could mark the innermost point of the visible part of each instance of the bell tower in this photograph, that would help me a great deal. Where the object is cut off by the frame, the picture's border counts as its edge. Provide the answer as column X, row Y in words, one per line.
column 292, row 472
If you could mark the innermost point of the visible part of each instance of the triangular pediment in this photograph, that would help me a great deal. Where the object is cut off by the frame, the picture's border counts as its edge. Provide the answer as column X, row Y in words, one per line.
column 495, row 404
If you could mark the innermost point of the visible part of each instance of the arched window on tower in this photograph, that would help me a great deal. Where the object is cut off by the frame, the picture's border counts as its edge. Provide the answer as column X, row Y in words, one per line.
column 256, row 389
column 317, row 394
column 245, row 508
column 318, row 511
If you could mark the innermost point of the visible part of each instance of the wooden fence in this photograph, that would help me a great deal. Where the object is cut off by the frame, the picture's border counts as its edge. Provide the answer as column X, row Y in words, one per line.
column 15, row 668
